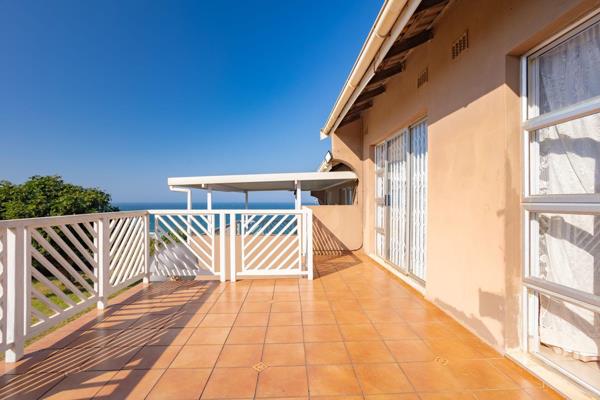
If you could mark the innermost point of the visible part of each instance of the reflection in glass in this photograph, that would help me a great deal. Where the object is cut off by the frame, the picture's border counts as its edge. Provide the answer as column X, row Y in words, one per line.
column 568, row 159
column 569, row 337
column 567, row 73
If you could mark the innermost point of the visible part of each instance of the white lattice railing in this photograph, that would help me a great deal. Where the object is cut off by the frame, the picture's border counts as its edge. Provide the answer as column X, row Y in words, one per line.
column 61, row 270
column 55, row 267
column 127, row 249
column 185, row 243
column 271, row 243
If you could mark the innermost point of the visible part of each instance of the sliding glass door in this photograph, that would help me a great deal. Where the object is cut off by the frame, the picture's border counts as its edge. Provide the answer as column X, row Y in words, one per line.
column 401, row 200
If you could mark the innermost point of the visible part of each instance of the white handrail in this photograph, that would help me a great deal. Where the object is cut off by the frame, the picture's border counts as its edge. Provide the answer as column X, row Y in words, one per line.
column 68, row 219
column 226, row 211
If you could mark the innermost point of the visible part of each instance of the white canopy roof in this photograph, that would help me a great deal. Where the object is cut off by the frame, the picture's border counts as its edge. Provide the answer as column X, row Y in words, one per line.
column 265, row 182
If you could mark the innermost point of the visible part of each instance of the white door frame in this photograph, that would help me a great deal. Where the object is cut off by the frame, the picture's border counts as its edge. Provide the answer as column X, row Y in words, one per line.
column 404, row 212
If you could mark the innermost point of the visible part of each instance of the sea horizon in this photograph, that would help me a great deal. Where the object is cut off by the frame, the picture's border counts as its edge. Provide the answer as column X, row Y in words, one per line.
column 217, row 205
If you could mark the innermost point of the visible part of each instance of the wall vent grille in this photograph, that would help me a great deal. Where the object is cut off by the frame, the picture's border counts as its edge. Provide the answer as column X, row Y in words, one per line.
column 423, row 77
column 460, row 44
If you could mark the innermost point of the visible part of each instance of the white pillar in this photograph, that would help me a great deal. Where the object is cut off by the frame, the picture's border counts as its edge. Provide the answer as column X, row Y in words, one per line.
column 222, row 246
column 246, row 199
column 232, row 245
column 309, row 243
column 146, row 279
column 16, row 297
column 189, row 199
column 189, row 217
column 298, row 195
column 209, row 199
column 103, row 263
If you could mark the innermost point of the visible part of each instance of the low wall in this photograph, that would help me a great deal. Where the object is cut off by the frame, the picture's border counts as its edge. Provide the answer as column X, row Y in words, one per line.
column 336, row 229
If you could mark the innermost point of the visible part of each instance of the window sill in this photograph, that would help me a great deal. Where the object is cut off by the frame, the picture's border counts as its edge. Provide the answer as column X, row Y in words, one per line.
column 549, row 376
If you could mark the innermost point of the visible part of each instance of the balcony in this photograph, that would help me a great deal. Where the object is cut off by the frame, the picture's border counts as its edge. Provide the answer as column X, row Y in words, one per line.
column 207, row 332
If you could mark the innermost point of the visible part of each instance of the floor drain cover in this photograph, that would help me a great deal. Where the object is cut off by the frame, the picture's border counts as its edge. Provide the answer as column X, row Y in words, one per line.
column 441, row 360
column 261, row 366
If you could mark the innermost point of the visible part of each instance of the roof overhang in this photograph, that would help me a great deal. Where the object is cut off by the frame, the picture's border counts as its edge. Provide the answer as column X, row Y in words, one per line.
column 310, row 181
column 400, row 26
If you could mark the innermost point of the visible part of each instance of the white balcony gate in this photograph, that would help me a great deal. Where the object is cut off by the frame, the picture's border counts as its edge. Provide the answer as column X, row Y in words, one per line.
column 53, row 268
column 184, row 243
column 273, row 242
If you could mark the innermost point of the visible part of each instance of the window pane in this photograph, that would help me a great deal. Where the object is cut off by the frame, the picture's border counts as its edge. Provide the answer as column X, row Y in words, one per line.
column 569, row 336
column 568, row 73
column 418, row 204
column 568, row 158
column 398, row 153
column 569, row 251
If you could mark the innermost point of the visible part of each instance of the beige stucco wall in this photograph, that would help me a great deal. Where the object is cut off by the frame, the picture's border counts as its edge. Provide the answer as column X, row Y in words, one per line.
column 337, row 228
column 347, row 222
column 473, row 112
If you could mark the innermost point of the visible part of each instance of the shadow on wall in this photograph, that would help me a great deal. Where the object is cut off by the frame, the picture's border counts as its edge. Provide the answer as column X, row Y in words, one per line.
column 490, row 305
column 325, row 242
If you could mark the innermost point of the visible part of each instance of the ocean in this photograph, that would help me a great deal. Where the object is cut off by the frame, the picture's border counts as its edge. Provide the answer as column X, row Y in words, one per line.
column 135, row 206
column 138, row 206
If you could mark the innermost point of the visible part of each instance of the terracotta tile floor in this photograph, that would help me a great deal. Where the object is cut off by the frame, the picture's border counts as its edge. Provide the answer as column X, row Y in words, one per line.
column 353, row 332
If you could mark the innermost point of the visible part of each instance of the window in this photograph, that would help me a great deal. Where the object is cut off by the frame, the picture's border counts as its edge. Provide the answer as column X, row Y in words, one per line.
column 347, row 196
column 561, row 208
column 339, row 196
column 329, row 198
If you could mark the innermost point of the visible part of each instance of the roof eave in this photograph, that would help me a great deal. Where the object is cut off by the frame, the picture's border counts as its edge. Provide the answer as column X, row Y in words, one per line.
column 390, row 21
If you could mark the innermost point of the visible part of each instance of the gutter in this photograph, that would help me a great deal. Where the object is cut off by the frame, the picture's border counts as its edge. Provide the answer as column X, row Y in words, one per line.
column 392, row 18
column 183, row 190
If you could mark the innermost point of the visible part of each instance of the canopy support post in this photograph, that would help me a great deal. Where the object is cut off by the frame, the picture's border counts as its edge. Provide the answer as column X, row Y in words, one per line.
column 209, row 199
column 189, row 199
column 298, row 195
column 246, row 199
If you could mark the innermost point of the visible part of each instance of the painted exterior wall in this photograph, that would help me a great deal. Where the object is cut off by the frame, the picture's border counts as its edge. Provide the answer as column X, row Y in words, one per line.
column 473, row 110
column 337, row 229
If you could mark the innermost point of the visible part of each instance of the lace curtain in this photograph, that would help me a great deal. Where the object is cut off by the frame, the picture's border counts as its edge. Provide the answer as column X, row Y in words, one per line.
column 569, row 163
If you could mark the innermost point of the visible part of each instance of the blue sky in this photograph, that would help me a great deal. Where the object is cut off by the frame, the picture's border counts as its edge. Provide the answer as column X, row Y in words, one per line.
column 122, row 94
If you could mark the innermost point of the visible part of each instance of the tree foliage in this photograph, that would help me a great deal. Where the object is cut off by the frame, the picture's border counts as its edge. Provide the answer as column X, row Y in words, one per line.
column 43, row 196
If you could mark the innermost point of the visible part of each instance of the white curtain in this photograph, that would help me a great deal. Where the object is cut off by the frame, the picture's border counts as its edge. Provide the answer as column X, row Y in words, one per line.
column 569, row 163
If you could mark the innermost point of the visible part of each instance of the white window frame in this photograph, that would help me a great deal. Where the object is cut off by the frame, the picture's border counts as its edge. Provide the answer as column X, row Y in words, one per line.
column 588, row 204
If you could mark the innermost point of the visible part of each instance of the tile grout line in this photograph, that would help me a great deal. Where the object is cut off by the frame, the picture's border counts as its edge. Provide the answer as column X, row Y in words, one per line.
column 388, row 349
column 65, row 375
column 214, row 367
column 167, row 368
column 303, row 341
column 262, row 351
column 344, row 341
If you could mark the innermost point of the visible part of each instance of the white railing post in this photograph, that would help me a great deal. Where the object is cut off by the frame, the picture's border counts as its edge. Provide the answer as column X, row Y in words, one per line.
column 16, row 297
column 222, row 233
column 232, row 245
column 146, row 279
column 26, row 281
column 190, row 206
column 103, row 262
column 309, row 243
